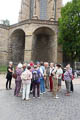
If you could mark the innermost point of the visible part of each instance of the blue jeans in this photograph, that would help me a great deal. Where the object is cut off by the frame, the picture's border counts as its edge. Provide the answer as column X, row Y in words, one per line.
column 42, row 85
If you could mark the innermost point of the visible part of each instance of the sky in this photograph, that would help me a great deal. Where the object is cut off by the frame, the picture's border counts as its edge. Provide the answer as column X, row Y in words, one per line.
column 9, row 9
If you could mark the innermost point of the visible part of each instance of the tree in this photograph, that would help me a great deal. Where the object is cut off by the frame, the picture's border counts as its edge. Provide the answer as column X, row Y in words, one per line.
column 5, row 22
column 69, row 30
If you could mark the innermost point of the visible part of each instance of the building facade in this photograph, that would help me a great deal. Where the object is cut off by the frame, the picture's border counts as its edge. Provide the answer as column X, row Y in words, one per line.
column 34, row 37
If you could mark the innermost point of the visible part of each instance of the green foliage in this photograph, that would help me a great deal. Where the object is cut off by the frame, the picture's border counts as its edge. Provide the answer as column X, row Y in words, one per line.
column 5, row 22
column 69, row 29
column 3, row 69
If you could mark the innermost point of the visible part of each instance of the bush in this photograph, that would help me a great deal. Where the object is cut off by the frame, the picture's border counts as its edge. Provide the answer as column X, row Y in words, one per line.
column 3, row 69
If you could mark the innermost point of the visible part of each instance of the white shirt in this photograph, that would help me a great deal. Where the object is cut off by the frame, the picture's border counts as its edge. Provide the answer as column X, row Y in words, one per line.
column 59, row 73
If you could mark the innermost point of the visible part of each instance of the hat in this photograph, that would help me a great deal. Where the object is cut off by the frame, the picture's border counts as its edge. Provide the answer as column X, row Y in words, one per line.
column 31, row 64
column 19, row 65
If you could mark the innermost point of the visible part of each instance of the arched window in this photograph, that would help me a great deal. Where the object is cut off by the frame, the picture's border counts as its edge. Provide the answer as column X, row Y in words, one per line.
column 43, row 9
column 31, row 8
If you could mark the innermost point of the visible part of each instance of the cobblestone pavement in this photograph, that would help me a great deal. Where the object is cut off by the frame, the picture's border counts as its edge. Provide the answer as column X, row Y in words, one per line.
column 45, row 108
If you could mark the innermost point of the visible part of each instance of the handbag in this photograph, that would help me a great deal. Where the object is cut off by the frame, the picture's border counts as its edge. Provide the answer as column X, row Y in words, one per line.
column 14, row 75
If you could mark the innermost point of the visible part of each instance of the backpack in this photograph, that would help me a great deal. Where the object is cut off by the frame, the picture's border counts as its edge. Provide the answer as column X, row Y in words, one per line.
column 24, row 75
column 35, row 75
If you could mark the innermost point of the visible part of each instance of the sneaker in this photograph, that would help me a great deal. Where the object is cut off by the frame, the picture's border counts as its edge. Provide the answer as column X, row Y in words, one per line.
column 38, row 97
column 10, row 88
column 44, row 92
column 67, row 94
column 23, row 99
column 41, row 93
column 33, row 97
column 31, row 92
column 27, row 99
column 56, row 97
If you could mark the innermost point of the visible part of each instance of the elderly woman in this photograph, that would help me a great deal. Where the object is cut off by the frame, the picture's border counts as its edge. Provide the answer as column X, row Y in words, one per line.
column 18, row 79
column 67, row 78
column 26, row 81
column 9, row 75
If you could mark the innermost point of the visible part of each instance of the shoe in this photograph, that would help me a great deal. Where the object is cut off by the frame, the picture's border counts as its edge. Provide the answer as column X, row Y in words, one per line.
column 56, row 97
column 27, row 99
column 44, row 92
column 6, row 88
column 23, row 99
column 10, row 88
column 49, row 91
column 41, row 93
column 31, row 92
column 38, row 97
column 67, row 94
column 18, row 95
column 33, row 97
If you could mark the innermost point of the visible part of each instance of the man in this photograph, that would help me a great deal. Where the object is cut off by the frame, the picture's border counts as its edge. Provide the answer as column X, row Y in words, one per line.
column 46, row 65
column 55, row 82
column 59, row 75
column 51, row 69
column 36, row 81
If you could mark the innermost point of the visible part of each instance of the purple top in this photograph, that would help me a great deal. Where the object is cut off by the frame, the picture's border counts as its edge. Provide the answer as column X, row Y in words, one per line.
column 68, row 75
column 18, row 72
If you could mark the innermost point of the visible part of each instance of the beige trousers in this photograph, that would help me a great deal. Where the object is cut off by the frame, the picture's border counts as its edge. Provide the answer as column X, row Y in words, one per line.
column 55, row 86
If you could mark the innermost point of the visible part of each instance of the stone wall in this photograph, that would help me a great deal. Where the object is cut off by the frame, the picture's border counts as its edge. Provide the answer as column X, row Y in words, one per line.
column 25, row 9
column 12, row 41
column 3, row 45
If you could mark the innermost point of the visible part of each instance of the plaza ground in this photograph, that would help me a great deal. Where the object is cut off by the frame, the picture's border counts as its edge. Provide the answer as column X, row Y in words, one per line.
column 45, row 108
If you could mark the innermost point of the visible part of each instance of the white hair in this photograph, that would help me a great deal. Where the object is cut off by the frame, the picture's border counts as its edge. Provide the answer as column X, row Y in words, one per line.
column 10, row 63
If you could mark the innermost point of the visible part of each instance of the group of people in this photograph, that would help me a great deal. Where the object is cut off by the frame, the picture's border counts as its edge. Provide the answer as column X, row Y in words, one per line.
column 36, row 78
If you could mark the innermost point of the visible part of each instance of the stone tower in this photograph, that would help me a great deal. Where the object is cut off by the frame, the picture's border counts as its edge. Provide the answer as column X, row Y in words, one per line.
column 40, row 9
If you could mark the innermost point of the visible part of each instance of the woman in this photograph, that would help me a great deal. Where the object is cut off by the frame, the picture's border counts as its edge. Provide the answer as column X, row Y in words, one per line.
column 59, row 75
column 18, row 80
column 26, row 81
column 55, row 81
column 9, row 75
column 67, row 78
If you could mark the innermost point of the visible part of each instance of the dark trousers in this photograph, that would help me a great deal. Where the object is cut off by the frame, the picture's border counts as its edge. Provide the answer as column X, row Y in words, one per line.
column 8, row 82
column 51, row 83
column 17, row 88
column 31, row 86
column 36, row 85
column 72, row 89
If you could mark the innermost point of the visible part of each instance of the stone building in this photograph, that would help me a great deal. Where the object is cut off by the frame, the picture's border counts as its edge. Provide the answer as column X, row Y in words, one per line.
column 34, row 37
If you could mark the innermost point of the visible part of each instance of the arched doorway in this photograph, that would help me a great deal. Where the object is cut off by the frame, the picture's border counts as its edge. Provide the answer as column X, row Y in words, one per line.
column 17, row 46
column 43, row 45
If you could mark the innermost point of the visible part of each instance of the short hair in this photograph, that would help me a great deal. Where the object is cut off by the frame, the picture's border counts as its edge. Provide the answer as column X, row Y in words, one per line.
column 58, row 65
column 41, row 63
column 29, row 67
